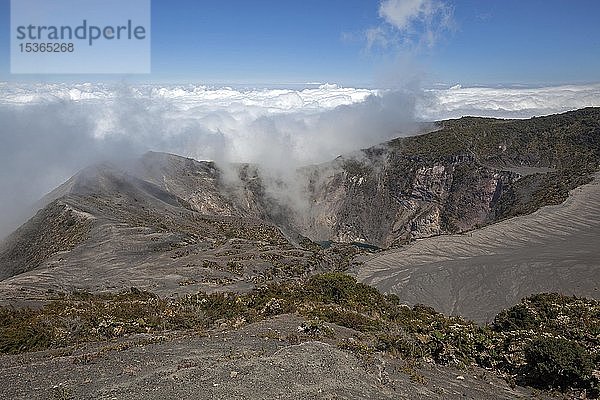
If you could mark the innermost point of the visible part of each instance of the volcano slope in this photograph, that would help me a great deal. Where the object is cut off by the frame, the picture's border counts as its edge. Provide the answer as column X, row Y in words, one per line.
column 108, row 230
column 470, row 173
column 172, row 225
column 477, row 274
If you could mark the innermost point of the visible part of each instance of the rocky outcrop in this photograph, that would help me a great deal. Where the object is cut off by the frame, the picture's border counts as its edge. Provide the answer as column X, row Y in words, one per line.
column 388, row 198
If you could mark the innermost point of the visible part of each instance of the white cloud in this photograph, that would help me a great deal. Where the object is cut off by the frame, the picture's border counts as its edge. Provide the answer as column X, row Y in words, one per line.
column 506, row 102
column 418, row 22
column 402, row 13
column 324, row 96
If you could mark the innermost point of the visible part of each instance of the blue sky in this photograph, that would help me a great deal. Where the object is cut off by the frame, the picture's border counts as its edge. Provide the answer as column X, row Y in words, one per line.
column 280, row 42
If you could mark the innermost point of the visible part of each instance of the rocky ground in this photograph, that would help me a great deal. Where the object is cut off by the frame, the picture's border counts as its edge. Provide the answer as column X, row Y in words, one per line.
column 266, row 360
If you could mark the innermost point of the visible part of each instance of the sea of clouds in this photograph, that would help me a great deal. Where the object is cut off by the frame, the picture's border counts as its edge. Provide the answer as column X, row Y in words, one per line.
column 502, row 102
column 431, row 104
column 49, row 131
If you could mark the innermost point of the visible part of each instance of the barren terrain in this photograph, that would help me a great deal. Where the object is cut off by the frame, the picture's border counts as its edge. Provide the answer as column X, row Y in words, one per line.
column 478, row 273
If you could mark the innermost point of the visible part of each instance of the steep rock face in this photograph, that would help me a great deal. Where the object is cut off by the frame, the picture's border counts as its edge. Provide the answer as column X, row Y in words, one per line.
column 469, row 173
column 197, row 182
column 208, row 190
column 388, row 198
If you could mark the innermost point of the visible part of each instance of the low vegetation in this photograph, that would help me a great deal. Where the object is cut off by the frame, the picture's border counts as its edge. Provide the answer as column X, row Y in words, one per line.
column 548, row 340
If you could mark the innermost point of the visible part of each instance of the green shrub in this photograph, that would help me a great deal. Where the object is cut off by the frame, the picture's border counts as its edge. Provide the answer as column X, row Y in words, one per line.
column 515, row 318
column 23, row 336
column 557, row 363
column 568, row 316
column 342, row 289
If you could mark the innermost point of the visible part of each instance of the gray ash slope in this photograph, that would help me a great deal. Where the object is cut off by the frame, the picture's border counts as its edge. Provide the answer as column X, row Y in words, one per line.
column 106, row 229
column 476, row 275
column 171, row 225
